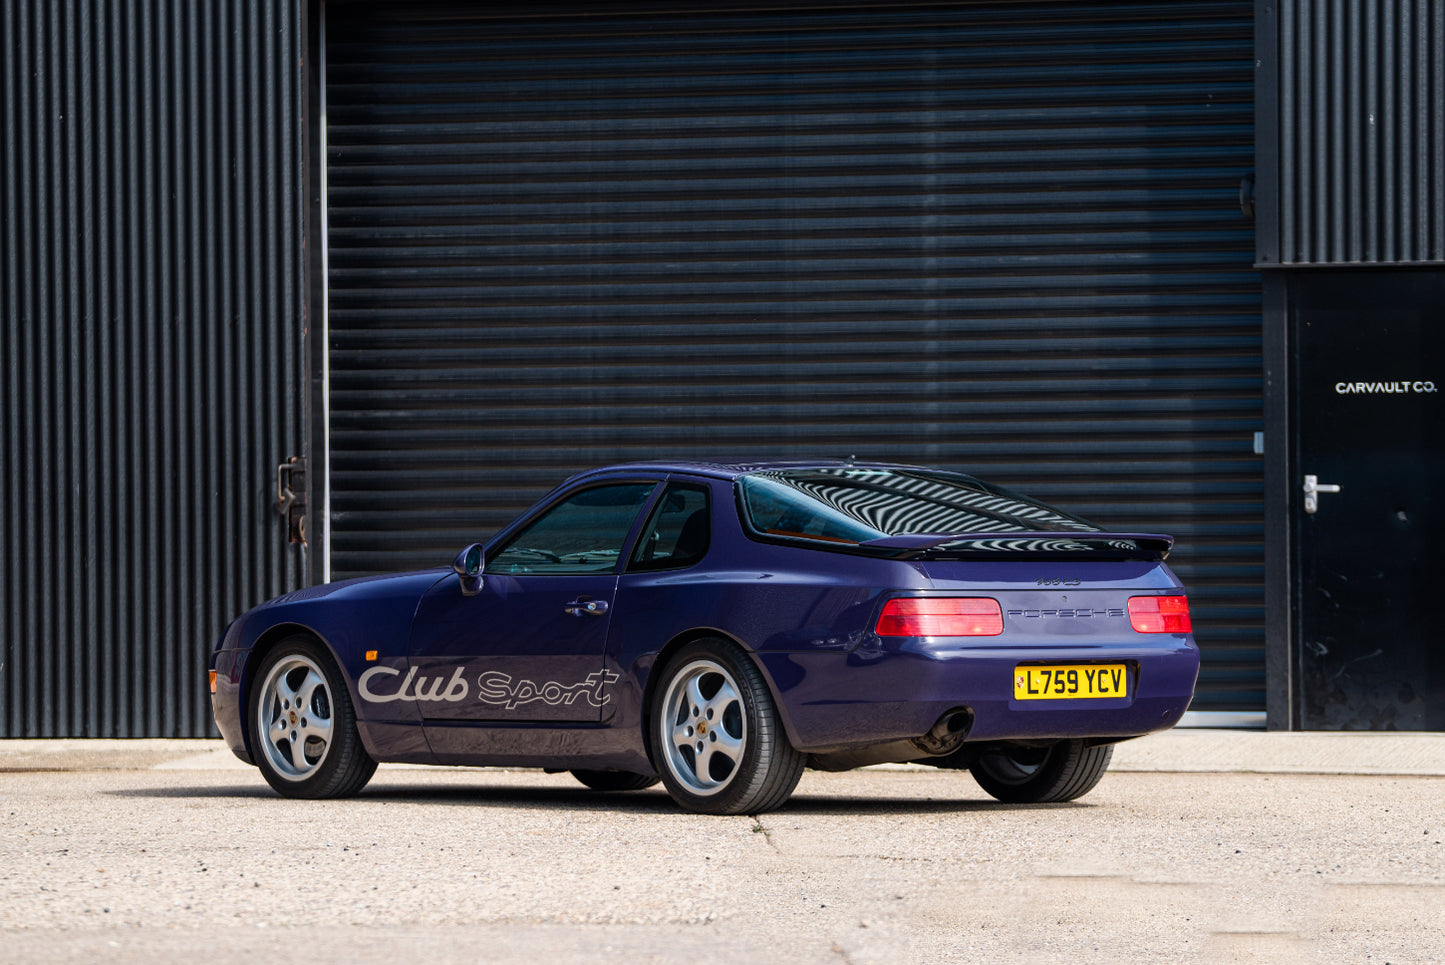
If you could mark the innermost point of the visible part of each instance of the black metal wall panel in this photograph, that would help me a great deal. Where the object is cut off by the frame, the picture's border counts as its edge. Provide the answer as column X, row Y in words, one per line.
column 1361, row 139
column 150, row 357
column 1003, row 237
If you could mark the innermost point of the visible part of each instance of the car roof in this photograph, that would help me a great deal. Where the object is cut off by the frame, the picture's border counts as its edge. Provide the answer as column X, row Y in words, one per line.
column 731, row 469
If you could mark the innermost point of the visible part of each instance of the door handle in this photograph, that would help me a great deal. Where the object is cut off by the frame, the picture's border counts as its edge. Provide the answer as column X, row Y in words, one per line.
column 585, row 607
column 1313, row 487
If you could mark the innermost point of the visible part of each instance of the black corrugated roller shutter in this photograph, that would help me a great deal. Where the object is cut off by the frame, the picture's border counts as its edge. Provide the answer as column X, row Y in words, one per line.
column 999, row 237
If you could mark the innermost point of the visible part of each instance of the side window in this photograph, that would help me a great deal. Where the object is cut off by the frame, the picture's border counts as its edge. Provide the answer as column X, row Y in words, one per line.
column 678, row 532
column 582, row 534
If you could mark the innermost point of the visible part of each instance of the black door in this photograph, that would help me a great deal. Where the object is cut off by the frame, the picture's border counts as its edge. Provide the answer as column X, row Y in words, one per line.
column 1371, row 422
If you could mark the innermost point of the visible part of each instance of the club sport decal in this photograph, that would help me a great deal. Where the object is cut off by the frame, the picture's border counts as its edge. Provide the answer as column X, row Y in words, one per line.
column 412, row 689
column 493, row 687
column 497, row 688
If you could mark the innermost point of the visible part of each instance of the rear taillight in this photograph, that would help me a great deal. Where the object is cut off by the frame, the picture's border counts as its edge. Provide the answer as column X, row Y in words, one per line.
column 1159, row 614
column 941, row 617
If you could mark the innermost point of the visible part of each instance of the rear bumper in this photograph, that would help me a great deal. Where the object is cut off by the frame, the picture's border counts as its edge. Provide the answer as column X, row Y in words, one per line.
column 832, row 701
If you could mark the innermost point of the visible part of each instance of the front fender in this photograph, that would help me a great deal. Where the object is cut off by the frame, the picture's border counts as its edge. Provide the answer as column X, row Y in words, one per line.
column 350, row 618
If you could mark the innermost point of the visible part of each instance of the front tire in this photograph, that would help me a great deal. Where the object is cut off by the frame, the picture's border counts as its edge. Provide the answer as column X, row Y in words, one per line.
column 716, row 737
column 1038, row 775
column 304, row 726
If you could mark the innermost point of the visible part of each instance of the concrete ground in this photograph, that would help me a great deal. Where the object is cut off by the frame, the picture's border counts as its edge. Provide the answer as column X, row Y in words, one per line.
column 1227, row 846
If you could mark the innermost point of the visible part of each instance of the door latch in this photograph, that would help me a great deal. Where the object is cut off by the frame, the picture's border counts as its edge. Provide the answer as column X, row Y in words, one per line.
column 1313, row 487
column 585, row 606
column 291, row 497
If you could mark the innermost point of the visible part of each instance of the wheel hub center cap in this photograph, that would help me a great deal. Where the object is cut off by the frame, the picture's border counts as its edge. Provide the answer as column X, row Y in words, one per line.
column 294, row 718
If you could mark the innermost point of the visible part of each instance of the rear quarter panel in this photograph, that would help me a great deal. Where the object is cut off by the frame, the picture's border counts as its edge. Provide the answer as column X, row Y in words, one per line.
column 769, row 598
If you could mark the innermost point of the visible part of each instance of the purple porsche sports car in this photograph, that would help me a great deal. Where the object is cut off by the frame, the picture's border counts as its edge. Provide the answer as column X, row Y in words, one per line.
column 719, row 627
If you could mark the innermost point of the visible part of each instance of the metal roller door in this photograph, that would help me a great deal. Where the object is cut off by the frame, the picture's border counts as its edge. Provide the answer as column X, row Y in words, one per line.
column 1000, row 237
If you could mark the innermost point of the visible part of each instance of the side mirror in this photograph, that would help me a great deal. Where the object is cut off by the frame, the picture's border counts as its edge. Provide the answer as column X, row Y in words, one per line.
column 468, row 568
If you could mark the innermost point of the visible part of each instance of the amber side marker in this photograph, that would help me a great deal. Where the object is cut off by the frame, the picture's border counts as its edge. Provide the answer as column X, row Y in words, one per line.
column 371, row 655
column 213, row 681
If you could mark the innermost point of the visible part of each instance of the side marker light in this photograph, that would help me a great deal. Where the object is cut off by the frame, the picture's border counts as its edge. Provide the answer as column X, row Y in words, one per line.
column 212, row 675
column 370, row 655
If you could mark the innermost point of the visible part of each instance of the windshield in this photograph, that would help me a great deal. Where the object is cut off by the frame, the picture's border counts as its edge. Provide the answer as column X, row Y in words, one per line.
column 851, row 504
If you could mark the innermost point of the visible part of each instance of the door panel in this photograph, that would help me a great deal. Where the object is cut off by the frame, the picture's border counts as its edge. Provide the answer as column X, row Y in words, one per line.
column 514, row 652
column 1371, row 366
column 529, row 645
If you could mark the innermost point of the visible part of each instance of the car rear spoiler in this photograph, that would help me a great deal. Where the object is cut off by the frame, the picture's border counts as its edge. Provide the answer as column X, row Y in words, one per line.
column 1145, row 546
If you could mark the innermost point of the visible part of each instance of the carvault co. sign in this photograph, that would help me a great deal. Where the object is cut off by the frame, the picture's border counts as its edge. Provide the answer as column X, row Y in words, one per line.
column 1384, row 388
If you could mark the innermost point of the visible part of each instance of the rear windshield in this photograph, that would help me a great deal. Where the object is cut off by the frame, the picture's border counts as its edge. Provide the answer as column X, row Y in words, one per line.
column 850, row 504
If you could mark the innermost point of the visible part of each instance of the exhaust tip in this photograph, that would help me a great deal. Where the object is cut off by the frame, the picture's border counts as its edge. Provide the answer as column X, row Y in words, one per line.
column 948, row 732
column 954, row 722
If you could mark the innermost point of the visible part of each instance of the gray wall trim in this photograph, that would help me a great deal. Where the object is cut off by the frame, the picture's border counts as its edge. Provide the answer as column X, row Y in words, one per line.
column 1278, row 500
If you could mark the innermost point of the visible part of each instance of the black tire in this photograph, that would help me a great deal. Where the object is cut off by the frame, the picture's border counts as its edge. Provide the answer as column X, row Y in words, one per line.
column 729, row 755
column 1038, row 775
column 614, row 780
column 303, row 726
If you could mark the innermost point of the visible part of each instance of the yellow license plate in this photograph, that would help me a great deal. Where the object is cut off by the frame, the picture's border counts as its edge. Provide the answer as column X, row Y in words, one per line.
column 1071, row 681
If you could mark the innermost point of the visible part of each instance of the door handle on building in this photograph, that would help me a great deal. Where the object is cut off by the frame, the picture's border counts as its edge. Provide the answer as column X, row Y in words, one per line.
column 1313, row 487
column 291, row 497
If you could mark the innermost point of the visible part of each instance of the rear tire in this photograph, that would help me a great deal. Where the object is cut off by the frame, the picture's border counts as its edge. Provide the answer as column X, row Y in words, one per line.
column 716, row 737
column 614, row 780
column 1038, row 775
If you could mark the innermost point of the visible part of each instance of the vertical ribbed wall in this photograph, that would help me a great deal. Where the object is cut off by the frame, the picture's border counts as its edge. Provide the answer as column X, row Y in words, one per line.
column 1361, row 131
column 150, row 362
